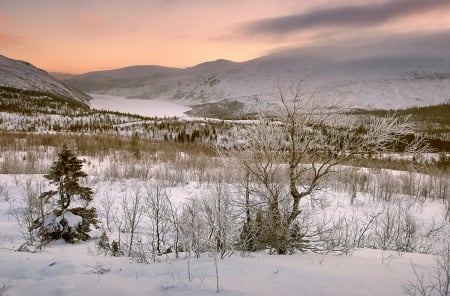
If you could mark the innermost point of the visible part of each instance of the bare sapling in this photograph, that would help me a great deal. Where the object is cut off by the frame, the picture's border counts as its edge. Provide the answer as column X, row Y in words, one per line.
column 133, row 213
column 157, row 211
column 29, row 211
column 108, row 212
column 174, row 218
column 438, row 281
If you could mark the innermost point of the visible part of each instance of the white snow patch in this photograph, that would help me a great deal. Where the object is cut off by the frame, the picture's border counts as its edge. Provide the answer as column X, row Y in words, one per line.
column 156, row 108
column 53, row 221
column 71, row 219
column 70, row 270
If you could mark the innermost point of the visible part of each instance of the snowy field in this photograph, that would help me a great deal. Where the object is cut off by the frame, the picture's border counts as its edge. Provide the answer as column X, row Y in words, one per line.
column 372, row 220
column 76, row 270
column 137, row 106
column 82, row 269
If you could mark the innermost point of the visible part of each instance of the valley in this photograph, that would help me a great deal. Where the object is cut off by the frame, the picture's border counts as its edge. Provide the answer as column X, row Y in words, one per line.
column 185, row 205
column 238, row 148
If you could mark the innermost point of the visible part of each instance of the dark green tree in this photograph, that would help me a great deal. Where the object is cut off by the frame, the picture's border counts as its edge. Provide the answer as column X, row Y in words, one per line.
column 134, row 145
column 63, row 221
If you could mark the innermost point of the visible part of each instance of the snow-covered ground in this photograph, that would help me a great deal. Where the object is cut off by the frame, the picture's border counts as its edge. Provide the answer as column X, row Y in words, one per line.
column 149, row 108
column 80, row 269
column 76, row 270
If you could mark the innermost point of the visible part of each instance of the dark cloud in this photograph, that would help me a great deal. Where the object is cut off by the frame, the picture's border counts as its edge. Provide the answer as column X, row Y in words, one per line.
column 417, row 44
column 434, row 43
column 344, row 16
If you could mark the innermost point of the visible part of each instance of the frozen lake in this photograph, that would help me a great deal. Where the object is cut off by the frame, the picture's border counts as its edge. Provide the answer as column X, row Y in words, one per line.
column 138, row 106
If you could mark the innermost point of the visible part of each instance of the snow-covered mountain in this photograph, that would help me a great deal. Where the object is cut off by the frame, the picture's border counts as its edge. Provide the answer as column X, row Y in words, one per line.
column 365, row 81
column 23, row 75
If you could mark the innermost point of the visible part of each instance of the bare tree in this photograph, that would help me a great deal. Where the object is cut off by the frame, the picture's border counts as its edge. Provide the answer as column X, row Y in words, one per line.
column 157, row 210
column 301, row 145
column 108, row 212
column 218, row 215
column 174, row 218
column 30, row 210
column 193, row 227
column 132, row 213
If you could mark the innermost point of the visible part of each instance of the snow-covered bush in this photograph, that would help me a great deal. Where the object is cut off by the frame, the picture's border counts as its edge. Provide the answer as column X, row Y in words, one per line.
column 65, row 225
column 64, row 221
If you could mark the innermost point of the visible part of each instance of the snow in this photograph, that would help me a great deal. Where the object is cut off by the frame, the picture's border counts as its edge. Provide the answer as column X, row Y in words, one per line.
column 370, row 82
column 23, row 75
column 71, row 270
column 151, row 108
column 80, row 269
column 71, row 219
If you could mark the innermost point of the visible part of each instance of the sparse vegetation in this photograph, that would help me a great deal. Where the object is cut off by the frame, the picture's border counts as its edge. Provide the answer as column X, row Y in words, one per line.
column 5, row 286
column 136, row 168
column 437, row 283
column 432, row 121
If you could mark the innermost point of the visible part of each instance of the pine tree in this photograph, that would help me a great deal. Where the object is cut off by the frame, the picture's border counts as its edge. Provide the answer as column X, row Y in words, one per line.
column 134, row 145
column 70, row 223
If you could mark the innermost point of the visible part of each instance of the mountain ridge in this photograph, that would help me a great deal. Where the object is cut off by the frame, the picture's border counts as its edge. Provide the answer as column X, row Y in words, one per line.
column 362, row 79
column 23, row 75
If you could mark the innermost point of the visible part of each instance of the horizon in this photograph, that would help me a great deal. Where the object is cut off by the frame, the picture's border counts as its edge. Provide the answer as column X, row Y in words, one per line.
column 85, row 36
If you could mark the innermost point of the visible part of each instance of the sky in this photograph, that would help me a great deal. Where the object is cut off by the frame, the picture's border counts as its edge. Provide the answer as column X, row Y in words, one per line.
column 77, row 36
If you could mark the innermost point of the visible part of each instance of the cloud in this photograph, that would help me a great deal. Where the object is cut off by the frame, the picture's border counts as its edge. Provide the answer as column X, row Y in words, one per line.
column 416, row 44
column 368, row 15
column 89, row 20
column 435, row 43
column 10, row 39
column 7, row 38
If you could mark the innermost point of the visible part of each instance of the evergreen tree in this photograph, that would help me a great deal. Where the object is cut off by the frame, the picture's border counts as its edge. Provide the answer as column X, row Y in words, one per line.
column 134, row 145
column 70, row 223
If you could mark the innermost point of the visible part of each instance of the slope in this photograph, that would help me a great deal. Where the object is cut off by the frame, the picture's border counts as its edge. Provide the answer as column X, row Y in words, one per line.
column 362, row 80
column 21, row 75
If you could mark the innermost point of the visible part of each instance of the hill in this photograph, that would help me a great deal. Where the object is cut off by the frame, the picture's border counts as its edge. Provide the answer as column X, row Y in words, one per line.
column 370, row 81
column 22, row 76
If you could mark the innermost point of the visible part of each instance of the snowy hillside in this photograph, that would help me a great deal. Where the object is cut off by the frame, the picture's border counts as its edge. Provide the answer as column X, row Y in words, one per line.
column 24, row 76
column 374, row 81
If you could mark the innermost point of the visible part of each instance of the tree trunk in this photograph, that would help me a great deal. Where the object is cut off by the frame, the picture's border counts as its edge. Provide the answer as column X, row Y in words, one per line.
column 277, row 237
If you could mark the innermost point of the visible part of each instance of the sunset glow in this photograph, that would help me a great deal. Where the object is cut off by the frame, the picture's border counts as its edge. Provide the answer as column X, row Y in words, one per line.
column 80, row 36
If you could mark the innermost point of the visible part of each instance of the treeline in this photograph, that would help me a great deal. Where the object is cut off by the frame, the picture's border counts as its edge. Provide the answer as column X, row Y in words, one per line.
column 29, row 102
column 437, row 114
column 171, row 130
column 30, row 111
column 433, row 121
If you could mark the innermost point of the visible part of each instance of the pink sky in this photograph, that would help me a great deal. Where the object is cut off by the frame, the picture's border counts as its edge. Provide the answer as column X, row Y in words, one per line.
column 77, row 36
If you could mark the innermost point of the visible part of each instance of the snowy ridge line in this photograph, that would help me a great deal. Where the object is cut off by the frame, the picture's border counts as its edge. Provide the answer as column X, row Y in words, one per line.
column 24, row 76
column 369, row 82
